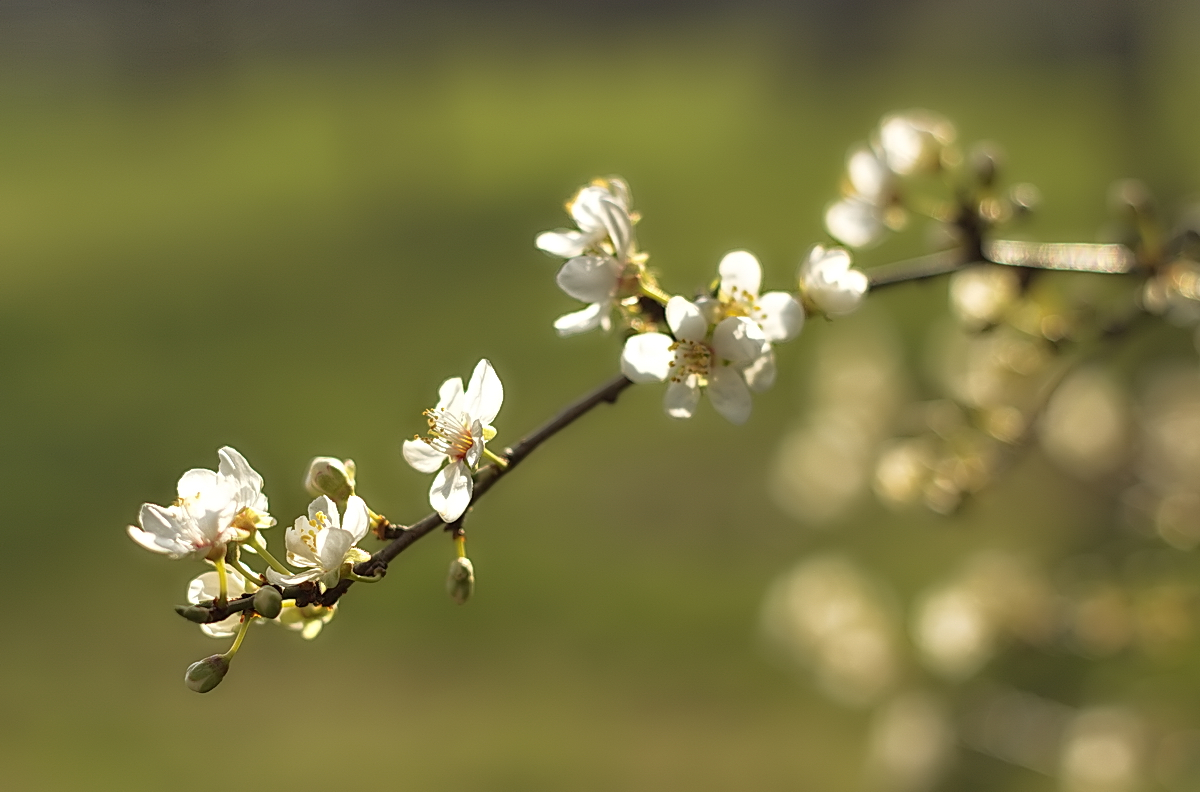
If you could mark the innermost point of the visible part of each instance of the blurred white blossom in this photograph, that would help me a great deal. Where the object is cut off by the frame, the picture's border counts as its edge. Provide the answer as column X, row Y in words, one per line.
column 828, row 284
column 828, row 615
column 1085, row 424
column 823, row 462
column 980, row 295
column 910, row 743
column 1102, row 752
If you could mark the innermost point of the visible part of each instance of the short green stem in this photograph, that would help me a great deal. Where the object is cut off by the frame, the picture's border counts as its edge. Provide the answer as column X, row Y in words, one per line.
column 499, row 460
column 270, row 559
column 222, row 583
column 252, row 577
column 362, row 578
column 237, row 642
column 653, row 292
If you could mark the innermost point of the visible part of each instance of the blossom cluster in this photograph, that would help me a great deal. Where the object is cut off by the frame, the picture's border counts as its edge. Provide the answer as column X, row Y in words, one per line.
column 718, row 342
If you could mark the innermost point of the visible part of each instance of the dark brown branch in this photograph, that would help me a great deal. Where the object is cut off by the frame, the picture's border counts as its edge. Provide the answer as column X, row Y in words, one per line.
column 485, row 479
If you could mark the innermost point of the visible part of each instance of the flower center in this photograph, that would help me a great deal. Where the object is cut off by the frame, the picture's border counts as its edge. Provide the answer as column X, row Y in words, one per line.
column 309, row 537
column 691, row 357
column 448, row 434
column 740, row 302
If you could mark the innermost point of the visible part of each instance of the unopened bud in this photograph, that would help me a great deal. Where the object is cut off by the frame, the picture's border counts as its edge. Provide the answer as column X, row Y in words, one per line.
column 268, row 602
column 332, row 477
column 204, row 675
column 193, row 613
column 460, row 582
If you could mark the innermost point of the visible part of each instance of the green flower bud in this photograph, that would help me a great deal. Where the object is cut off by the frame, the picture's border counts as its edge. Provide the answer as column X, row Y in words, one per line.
column 460, row 582
column 268, row 602
column 332, row 477
column 204, row 675
column 193, row 613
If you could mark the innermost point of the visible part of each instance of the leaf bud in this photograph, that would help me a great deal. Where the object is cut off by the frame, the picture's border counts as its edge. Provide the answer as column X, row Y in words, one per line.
column 460, row 581
column 204, row 675
column 268, row 602
column 193, row 613
column 330, row 476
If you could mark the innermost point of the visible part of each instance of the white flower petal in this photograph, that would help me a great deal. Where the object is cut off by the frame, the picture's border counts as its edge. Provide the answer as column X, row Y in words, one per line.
column 686, row 321
column 782, row 316
column 224, row 628
column 581, row 321
column 323, row 505
column 854, row 222
column 485, row 394
column 333, row 545
column 620, row 228
column 586, row 210
column 280, row 579
column 210, row 490
column 450, row 394
column 422, row 456
column 847, row 295
column 647, row 357
column 824, row 264
column 477, row 445
column 681, row 398
column 356, row 521
column 235, row 466
column 729, row 395
column 155, row 543
column 590, row 279
column 450, row 494
column 298, row 551
column 869, row 174
column 738, row 340
column 207, row 586
column 740, row 271
column 160, row 521
column 563, row 243
column 760, row 374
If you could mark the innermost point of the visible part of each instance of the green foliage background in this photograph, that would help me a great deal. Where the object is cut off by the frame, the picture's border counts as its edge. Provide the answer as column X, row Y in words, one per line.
column 290, row 253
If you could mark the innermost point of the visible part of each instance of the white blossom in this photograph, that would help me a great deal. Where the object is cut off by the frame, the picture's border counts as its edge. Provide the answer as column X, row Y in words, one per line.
column 601, row 211
column 595, row 280
column 324, row 543
column 855, row 221
column 459, row 427
column 913, row 141
column 601, row 268
column 828, row 284
column 696, row 360
column 778, row 314
column 213, row 509
column 207, row 587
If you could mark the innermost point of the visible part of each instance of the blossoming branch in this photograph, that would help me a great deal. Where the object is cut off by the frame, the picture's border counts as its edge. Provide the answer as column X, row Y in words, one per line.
column 717, row 343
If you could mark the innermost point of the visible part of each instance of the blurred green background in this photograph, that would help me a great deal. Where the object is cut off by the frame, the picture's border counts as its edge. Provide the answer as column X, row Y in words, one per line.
column 280, row 227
